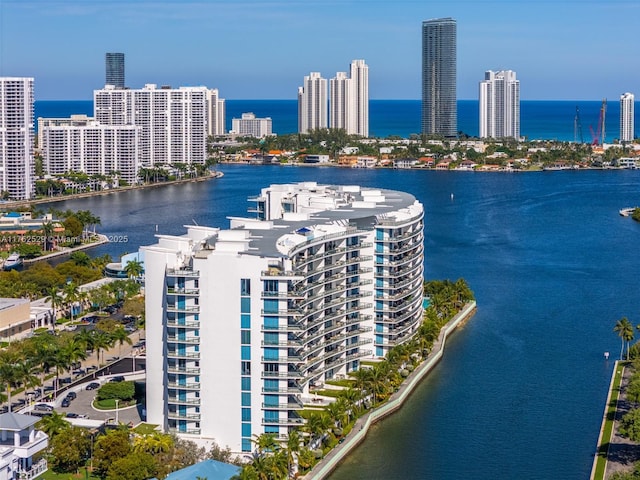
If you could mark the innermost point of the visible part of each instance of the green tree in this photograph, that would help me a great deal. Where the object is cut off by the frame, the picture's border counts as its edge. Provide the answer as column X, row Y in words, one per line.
column 624, row 328
column 70, row 449
column 109, row 448
column 630, row 425
column 134, row 269
column 53, row 424
column 134, row 466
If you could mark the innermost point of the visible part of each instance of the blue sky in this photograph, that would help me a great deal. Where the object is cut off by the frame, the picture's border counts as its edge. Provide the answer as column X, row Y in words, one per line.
column 262, row 49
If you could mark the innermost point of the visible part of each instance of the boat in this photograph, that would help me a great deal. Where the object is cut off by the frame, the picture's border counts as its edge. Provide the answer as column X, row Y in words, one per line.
column 12, row 262
column 625, row 212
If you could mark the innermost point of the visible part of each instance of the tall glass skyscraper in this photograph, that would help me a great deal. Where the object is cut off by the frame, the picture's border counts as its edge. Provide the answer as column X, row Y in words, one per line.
column 627, row 132
column 439, row 109
column 114, row 68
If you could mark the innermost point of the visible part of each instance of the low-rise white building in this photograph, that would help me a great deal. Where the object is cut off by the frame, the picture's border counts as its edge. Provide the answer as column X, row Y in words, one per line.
column 244, row 322
column 250, row 126
column 20, row 442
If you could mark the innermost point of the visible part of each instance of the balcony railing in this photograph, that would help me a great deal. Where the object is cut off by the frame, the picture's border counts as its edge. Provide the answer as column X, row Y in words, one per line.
column 182, row 291
column 195, row 417
column 182, row 272
column 183, row 323
column 189, row 340
column 184, row 386
column 283, row 421
column 187, row 370
column 36, row 469
column 188, row 431
column 185, row 401
column 178, row 354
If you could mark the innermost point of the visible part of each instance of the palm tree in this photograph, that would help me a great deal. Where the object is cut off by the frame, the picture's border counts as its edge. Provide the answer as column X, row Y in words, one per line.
column 101, row 341
column 120, row 335
column 134, row 269
column 153, row 443
column 9, row 373
column 293, row 448
column 71, row 296
column 55, row 299
column 53, row 424
column 625, row 332
column 266, row 442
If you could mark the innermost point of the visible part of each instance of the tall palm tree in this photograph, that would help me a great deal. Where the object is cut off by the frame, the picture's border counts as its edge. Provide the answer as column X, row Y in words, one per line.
column 293, row 448
column 53, row 424
column 71, row 296
column 120, row 336
column 101, row 341
column 625, row 332
column 9, row 373
column 55, row 299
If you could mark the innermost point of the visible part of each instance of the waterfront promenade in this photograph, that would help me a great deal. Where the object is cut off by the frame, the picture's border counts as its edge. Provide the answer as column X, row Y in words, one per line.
column 359, row 431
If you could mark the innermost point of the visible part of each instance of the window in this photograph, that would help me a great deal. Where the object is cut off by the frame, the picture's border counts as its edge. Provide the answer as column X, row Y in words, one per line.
column 245, row 337
column 270, row 286
column 272, row 429
column 245, row 305
column 271, row 306
column 245, row 352
column 271, row 415
column 271, row 400
column 271, row 354
column 246, row 383
column 271, row 338
column 245, row 286
column 271, row 385
column 246, row 429
column 246, row 444
column 246, row 399
column 271, row 367
column 246, row 415
column 245, row 321
column 271, row 322
column 245, row 368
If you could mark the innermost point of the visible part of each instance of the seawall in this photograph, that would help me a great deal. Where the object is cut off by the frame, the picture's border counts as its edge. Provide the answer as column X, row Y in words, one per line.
column 329, row 463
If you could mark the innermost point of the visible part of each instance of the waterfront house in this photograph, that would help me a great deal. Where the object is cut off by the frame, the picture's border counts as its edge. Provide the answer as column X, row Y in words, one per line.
column 21, row 447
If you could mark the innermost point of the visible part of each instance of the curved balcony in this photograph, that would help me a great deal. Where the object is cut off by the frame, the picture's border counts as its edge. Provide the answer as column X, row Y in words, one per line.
column 183, row 323
column 182, row 291
column 183, row 401
column 189, row 340
column 282, row 375
column 284, row 421
column 183, row 309
column 195, row 417
column 178, row 355
column 341, row 361
column 187, row 370
column 184, row 386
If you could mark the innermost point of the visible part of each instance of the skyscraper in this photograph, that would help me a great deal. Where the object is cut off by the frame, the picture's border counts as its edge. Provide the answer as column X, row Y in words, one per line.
column 216, row 117
column 17, row 165
column 500, row 105
column 359, row 99
column 627, row 132
column 242, row 323
column 114, row 69
column 439, row 109
column 312, row 103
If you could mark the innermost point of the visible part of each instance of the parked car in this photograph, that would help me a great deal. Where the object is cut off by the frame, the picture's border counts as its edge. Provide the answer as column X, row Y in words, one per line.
column 92, row 386
column 65, row 380
column 65, row 402
column 43, row 407
column 71, row 395
column 117, row 379
column 79, row 371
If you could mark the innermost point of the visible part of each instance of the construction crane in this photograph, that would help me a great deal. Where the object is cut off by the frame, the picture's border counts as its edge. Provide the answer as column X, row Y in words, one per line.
column 597, row 138
column 577, row 127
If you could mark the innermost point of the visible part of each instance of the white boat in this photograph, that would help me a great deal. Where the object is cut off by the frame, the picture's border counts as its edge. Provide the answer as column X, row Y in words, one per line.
column 13, row 261
column 625, row 212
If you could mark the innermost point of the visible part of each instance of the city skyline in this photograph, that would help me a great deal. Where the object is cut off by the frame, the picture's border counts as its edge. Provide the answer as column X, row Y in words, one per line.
column 554, row 55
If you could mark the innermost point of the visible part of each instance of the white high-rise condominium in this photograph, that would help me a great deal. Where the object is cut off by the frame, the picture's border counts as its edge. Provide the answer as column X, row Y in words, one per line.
column 312, row 103
column 81, row 144
column 17, row 164
column 500, row 105
column 173, row 121
column 242, row 322
column 216, row 115
column 349, row 105
column 627, row 127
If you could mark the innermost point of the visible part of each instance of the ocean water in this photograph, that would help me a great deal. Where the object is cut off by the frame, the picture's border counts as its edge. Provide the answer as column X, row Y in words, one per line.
column 539, row 120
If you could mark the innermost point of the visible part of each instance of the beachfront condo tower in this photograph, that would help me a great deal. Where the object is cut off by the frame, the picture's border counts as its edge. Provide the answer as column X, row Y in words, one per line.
column 312, row 103
column 439, row 109
column 500, row 105
column 349, row 100
column 216, row 113
column 627, row 132
column 17, row 164
column 114, row 69
column 173, row 121
column 244, row 323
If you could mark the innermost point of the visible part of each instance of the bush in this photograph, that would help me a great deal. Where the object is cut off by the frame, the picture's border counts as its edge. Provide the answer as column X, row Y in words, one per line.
column 117, row 391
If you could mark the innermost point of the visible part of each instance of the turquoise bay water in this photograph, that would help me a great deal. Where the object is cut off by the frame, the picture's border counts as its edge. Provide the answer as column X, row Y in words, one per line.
column 539, row 119
column 521, row 389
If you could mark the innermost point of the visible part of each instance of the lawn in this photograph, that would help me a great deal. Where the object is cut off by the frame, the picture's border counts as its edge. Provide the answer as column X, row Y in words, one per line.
column 603, row 448
column 49, row 475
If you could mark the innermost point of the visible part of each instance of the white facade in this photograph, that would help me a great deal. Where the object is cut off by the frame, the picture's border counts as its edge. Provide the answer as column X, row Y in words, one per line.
column 173, row 121
column 216, row 113
column 250, row 126
column 17, row 164
column 349, row 100
column 312, row 103
column 242, row 322
column 19, row 443
column 627, row 128
column 500, row 105
column 91, row 148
